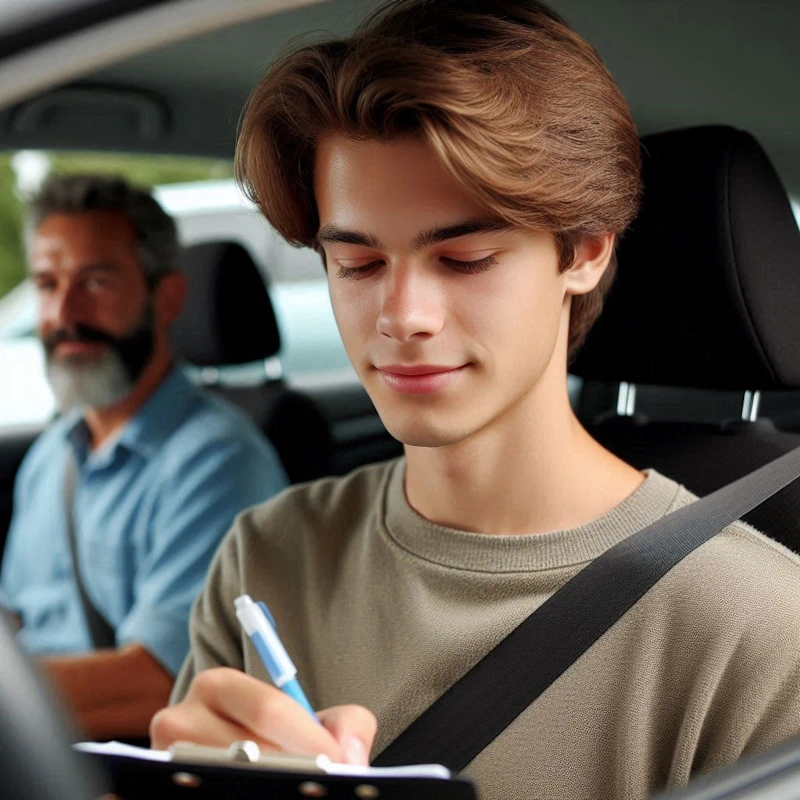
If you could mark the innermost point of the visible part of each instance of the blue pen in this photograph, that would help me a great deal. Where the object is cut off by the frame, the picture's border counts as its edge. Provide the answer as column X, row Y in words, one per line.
column 260, row 627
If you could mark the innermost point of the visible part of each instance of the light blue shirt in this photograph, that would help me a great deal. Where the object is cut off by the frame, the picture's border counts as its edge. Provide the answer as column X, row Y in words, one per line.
column 150, row 510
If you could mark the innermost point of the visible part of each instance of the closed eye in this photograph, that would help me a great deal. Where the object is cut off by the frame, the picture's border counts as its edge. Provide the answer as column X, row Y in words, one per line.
column 466, row 267
column 357, row 272
column 470, row 267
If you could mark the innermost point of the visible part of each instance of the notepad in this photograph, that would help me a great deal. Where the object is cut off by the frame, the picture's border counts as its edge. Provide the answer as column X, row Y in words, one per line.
column 238, row 756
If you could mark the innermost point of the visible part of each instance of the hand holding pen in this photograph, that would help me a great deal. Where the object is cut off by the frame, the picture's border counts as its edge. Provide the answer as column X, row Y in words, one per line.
column 224, row 705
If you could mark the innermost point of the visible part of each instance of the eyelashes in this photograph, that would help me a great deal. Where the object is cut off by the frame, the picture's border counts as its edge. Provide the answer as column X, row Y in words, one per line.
column 470, row 267
column 465, row 267
column 355, row 272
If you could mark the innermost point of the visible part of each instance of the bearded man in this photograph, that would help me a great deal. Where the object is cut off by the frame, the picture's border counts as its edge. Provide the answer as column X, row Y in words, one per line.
column 120, row 505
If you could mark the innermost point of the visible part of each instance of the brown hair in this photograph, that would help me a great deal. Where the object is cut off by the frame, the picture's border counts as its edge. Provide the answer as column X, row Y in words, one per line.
column 519, row 108
column 154, row 230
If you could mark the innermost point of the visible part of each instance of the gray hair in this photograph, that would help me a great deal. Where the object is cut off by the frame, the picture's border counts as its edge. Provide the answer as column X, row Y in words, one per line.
column 156, row 236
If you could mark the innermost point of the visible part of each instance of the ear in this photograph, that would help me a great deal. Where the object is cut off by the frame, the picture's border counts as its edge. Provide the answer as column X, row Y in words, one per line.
column 169, row 296
column 592, row 256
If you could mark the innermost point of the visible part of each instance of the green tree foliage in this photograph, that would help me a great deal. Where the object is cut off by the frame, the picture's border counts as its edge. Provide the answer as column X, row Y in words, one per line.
column 12, row 251
column 144, row 170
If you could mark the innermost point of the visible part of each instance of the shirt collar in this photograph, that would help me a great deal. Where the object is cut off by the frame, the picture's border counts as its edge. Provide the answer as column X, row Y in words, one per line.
column 77, row 434
column 160, row 415
column 151, row 425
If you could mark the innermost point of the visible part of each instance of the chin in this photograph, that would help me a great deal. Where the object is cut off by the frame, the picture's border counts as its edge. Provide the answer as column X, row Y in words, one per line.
column 416, row 431
column 425, row 420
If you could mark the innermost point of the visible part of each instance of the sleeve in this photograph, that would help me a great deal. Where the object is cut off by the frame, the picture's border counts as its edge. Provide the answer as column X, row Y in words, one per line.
column 780, row 719
column 9, row 562
column 214, row 631
column 771, row 653
column 5, row 598
column 201, row 495
column 756, row 703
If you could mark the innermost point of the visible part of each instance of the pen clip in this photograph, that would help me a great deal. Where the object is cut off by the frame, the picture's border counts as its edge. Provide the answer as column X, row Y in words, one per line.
column 267, row 613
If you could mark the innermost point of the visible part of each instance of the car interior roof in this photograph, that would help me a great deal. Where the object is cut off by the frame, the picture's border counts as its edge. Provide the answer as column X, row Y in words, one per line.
column 679, row 64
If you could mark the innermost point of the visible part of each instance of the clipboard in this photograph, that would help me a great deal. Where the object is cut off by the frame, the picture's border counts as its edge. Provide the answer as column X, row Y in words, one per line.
column 242, row 772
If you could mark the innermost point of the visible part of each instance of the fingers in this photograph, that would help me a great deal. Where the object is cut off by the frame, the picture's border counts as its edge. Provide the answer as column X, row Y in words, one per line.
column 193, row 723
column 225, row 705
column 269, row 714
column 354, row 728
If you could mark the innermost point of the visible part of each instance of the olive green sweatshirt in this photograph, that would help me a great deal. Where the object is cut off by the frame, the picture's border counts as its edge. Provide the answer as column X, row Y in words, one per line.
column 378, row 606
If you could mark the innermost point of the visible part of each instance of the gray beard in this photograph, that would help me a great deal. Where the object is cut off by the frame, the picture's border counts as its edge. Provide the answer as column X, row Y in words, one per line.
column 96, row 382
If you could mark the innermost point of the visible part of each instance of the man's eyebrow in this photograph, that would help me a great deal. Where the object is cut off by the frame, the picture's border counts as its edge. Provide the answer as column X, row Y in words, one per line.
column 465, row 228
column 38, row 268
column 99, row 267
column 335, row 234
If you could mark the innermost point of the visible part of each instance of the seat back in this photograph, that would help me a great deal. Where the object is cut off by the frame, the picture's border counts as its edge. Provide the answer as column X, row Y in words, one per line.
column 706, row 296
column 228, row 320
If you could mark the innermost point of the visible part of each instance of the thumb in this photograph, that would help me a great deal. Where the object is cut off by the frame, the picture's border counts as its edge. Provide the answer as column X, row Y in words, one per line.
column 354, row 728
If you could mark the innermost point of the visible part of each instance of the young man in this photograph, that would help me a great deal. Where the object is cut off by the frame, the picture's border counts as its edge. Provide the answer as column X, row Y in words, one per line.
column 465, row 169
column 160, row 468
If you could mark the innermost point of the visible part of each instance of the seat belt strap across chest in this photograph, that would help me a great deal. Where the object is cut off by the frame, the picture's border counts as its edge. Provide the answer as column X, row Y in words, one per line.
column 101, row 633
column 488, row 698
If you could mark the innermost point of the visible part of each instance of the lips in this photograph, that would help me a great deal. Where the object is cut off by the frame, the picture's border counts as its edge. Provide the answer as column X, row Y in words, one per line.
column 70, row 348
column 419, row 378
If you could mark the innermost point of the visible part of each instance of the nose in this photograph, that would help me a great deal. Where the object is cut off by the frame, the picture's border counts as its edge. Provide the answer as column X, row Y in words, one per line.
column 65, row 307
column 412, row 306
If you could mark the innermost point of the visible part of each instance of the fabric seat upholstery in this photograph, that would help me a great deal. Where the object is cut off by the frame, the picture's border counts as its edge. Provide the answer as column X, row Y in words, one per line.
column 229, row 320
column 707, row 296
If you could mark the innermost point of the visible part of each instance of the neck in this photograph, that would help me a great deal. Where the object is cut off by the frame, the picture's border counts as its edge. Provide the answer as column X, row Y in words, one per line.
column 532, row 470
column 104, row 423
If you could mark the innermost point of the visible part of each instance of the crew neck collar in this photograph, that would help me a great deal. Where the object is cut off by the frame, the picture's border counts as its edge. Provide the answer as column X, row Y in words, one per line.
column 540, row 551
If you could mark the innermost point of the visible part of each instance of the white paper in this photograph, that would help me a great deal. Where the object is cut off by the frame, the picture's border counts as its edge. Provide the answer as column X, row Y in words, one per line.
column 328, row 766
column 411, row 771
column 120, row 749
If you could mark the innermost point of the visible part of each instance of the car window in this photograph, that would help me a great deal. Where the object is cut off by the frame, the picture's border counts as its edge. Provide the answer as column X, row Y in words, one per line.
column 207, row 205
column 215, row 210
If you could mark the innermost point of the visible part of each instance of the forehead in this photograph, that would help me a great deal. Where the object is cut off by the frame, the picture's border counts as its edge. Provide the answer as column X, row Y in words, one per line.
column 398, row 184
column 85, row 237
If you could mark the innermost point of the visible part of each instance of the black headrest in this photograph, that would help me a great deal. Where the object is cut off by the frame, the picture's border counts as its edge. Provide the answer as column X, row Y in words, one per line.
column 708, row 290
column 228, row 317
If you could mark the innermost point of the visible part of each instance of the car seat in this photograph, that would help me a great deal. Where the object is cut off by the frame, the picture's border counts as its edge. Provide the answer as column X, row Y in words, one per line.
column 707, row 296
column 228, row 320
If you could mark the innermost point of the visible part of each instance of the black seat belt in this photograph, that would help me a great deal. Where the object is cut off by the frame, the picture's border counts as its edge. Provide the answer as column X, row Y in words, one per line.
column 102, row 634
column 481, row 704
